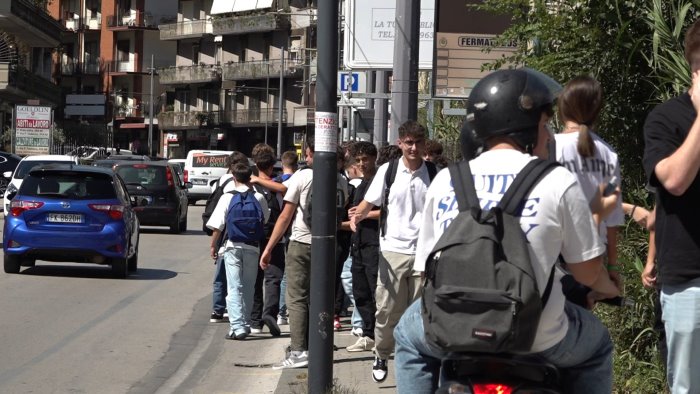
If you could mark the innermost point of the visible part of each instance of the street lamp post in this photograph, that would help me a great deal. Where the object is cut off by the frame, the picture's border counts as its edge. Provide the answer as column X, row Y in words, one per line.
column 281, row 102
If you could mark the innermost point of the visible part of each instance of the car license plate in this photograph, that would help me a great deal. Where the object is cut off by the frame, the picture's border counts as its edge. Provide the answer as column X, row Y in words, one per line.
column 199, row 181
column 64, row 218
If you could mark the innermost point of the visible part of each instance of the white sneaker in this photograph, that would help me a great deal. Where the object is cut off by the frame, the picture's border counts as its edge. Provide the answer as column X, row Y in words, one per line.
column 281, row 320
column 294, row 359
column 363, row 344
column 256, row 330
column 379, row 369
column 357, row 331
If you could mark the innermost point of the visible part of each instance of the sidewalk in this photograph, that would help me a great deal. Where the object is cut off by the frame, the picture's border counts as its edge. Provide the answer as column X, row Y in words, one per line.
column 353, row 371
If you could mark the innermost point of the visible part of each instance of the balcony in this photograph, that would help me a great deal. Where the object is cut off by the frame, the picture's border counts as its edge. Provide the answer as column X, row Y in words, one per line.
column 187, row 120
column 122, row 66
column 189, row 74
column 252, row 117
column 20, row 84
column 188, row 29
column 250, row 24
column 70, row 67
column 260, row 69
column 33, row 24
column 131, row 20
column 93, row 23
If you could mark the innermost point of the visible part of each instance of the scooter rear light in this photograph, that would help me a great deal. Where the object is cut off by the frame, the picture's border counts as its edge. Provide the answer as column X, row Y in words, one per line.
column 186, row 176
column 492, row 388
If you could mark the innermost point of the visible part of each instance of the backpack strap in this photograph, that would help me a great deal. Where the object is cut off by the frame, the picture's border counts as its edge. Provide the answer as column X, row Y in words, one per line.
column 528, row 177
column 389, row 178
column 463, row 183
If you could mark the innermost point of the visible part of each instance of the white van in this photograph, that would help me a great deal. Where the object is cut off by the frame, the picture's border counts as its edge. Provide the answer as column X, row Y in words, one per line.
column 201, row 168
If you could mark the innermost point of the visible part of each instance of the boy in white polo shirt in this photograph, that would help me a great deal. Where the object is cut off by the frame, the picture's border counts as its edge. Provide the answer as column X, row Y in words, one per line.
column 398, row 285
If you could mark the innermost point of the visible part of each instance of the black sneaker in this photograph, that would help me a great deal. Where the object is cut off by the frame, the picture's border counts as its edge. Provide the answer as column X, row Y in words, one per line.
column 379, row 369
column 271, row 324
column 216, row 317
column 237, row 337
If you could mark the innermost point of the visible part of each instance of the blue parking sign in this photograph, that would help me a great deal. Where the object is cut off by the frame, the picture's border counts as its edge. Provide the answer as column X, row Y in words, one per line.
column 349, row 80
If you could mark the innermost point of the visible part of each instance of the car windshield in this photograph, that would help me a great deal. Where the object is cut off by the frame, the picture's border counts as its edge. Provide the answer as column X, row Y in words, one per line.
column 26, row 165
column 71, row 185
column 143, row 174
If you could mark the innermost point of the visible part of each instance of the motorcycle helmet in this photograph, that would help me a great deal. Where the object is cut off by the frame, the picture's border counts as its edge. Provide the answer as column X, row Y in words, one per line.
column 471, row 147
column 510, row 103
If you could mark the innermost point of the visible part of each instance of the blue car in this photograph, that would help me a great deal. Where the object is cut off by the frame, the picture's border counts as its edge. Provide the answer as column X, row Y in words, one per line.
column 67, row 212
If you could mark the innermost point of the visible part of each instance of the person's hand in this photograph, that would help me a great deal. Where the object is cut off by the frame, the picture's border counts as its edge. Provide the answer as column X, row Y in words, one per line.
column 651, row 220
column 649, row 275
column 254, row 179
column 640, row 215
column 213, row 252
column 265, row 258
column 592, row 298
column 616, row 278
column 354, row 219
column 695, row 91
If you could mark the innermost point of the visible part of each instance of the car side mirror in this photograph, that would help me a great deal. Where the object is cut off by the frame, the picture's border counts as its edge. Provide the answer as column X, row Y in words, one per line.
column 7, row 174
column 188, row 185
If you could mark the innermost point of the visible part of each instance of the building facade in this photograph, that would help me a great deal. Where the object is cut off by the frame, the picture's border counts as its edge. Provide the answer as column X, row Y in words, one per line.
column 244, row 71
column 28, row 41
column 103, row 68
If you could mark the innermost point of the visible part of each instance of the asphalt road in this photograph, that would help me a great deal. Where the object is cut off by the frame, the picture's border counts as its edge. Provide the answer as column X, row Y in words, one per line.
column 71, row 328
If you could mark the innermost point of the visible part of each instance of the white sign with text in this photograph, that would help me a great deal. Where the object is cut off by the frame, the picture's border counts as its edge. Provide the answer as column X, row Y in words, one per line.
column 32, row 130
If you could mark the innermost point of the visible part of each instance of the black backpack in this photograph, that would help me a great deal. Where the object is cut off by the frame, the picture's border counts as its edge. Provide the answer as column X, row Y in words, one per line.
column 212, row 200
column 389, row 180
column 273, row 204
column 481, row 294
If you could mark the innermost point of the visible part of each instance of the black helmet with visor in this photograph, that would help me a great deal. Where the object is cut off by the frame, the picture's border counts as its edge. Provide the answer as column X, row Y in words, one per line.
column 510, row 103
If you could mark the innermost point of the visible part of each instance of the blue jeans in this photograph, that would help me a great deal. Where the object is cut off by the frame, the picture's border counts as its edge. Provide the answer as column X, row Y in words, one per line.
column 241, row 271
column 283, row 295
column 585, row 354
column 346, row 280
column 680, row 305
column 219, row 291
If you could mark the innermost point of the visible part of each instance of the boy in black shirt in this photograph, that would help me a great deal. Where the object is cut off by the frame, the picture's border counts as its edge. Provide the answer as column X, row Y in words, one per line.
column 671, row 162
column 365, row 248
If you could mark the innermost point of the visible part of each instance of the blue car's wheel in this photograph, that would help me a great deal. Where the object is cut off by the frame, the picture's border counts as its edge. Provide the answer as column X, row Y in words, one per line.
column 133, row 261
column 12, row 264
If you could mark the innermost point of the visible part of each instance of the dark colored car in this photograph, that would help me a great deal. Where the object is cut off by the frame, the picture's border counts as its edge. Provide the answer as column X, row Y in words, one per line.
column 110, row 162
column 8, row 163
column 66, row 212
column 158, row 193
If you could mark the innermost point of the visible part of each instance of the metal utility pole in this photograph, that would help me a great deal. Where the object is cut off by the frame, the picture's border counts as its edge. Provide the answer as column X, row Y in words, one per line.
column 404, row 90
column 323, row 221
column 150, row 115
column 267, row 104
column 381, row 107
column 281, row 103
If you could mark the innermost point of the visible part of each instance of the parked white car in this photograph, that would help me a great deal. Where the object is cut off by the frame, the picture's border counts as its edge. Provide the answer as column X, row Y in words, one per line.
column 23, row 168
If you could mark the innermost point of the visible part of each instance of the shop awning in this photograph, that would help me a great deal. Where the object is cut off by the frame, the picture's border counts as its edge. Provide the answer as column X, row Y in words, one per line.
column 133, row 126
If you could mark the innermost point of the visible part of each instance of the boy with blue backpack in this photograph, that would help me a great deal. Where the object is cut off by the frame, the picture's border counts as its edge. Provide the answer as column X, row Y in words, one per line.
column 240, row 217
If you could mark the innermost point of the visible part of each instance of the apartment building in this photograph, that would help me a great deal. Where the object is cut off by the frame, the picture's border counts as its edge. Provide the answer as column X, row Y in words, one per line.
column 104, row 69
column 243, row 68
column 28, row 39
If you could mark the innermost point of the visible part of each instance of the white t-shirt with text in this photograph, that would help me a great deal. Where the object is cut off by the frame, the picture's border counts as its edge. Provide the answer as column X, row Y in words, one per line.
column 556, row 220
